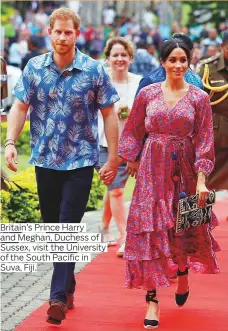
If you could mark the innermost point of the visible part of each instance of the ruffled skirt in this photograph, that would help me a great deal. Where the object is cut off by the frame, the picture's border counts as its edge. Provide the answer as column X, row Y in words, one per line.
column 153, row 250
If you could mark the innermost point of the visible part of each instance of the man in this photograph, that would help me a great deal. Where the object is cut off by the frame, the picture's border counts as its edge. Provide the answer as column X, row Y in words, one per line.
column 33, row 51
column 214, row 73
column 212, row 40
column 159, row 74
column 143, row 62
column 64, row 90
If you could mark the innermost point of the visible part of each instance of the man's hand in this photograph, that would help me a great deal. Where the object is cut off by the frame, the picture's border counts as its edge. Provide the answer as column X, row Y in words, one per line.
column 108, row 172
column 132, row 168
column 11, row 157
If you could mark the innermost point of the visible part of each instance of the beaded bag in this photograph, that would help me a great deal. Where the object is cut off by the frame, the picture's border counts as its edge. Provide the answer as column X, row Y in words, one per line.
column 189, row 215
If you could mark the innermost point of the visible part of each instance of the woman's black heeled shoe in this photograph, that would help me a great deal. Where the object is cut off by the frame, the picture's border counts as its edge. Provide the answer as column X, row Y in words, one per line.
column 181, row 298
column 151, row 324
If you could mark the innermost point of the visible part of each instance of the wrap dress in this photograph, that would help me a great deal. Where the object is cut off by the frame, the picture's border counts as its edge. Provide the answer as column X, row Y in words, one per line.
column 153, row 249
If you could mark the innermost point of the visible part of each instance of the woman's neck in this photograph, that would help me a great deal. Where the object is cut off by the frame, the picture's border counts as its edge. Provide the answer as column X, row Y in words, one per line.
column 174, row 84
column 119, row 77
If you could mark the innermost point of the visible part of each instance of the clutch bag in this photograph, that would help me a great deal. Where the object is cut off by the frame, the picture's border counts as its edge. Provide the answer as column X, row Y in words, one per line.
column 190, row 216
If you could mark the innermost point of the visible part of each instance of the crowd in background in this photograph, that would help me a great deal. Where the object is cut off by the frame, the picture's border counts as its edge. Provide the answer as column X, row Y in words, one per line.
column 26, row 37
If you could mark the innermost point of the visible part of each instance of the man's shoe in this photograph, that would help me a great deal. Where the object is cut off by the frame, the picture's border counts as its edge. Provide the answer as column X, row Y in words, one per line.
column 56, row 312
column 70, row 301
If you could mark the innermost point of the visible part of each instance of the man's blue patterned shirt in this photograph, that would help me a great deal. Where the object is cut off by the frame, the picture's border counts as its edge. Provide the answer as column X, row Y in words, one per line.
column 64, row 109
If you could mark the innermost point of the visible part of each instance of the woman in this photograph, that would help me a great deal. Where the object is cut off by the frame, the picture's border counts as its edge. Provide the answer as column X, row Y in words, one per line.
column 178, row 120
column 119, row 54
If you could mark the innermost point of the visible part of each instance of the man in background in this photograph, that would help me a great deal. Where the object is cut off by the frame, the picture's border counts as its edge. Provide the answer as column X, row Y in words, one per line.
column 143, row 62
column 214, row 73
column 33, row 51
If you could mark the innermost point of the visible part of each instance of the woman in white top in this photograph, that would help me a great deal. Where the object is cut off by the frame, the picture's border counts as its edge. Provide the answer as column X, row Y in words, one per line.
column 119, row 53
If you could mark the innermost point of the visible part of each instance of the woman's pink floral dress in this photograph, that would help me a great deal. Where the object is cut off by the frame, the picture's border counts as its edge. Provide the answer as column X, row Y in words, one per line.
column 153, row 250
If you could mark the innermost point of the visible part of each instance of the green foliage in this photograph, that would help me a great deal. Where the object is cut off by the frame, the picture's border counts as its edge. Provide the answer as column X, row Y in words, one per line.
column 202, row 12
column 23, row 143
column 23, row 206
column 7, row 11
column 96, row 193
column 5, row 199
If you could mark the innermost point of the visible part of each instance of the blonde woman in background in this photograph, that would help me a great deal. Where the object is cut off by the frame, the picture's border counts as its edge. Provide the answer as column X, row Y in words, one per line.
column 119, row 54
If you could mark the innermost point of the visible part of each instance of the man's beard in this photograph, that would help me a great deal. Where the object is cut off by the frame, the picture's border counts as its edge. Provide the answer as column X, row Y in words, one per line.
column 62, row 49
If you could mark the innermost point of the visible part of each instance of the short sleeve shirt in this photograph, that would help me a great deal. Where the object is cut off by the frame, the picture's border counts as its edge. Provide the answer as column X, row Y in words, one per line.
column 64, row 110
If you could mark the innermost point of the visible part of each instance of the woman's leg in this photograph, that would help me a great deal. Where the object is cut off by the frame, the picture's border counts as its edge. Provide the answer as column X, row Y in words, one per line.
column 107, row 213
column 118, row 210
column 105, row 222
column 152, row 314
column 182, row 284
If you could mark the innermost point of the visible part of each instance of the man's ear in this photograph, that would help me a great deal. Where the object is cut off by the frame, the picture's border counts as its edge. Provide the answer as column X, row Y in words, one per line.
column 78, row 31
column 49, row 31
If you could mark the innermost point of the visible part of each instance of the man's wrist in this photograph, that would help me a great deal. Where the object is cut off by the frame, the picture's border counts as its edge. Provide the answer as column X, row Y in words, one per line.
column 113, row 160
column 9, row 140
column 9, row 144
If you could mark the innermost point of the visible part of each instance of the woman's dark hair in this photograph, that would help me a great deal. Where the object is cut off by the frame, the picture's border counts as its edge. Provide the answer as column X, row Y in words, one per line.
column 170, row 45
column 185, row 38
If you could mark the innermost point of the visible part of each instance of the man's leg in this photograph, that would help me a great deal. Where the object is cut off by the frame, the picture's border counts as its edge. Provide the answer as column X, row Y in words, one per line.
column 75, row 194
column 49, row 186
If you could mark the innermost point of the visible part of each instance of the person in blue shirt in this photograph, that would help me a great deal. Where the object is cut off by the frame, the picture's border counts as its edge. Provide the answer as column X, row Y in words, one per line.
column 64, row 90
column 159, row 75
column 143, row 62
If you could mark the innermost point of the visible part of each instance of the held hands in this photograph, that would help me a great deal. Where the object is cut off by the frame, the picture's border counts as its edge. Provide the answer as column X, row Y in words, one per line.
column 109, row 171
column 11, row 157
column 132, row 168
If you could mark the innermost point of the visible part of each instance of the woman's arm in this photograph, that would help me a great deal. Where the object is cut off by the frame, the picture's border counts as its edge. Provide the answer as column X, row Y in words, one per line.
column 204, row 142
